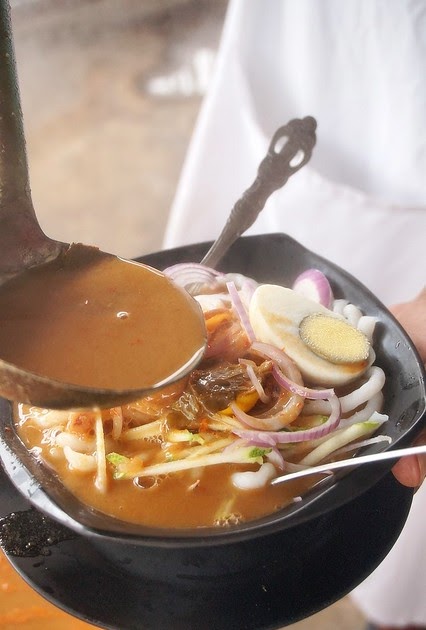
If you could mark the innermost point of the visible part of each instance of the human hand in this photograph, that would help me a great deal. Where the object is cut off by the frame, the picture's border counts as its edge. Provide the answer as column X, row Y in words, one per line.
column 411, row 471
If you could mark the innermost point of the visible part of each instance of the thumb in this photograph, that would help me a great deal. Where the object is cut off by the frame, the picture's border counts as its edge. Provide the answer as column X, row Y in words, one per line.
column 411, row 470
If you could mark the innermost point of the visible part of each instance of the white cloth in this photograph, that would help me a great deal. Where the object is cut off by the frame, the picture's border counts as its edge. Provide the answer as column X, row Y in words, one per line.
column 358, row 67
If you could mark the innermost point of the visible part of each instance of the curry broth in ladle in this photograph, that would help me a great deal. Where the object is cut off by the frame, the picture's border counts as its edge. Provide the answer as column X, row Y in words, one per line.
column 78, row 327
column 92, row 319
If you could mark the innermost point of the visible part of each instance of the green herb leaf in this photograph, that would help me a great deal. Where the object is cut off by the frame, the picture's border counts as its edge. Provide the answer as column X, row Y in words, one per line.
column 115, row 459
column 119, row 462
column 258, row 451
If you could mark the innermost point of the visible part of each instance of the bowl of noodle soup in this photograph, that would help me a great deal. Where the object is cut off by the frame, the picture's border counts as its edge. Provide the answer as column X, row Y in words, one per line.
column 274, row 259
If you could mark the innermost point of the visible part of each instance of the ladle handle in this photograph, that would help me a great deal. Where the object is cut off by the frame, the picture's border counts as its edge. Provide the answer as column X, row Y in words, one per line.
column 22, row 242
column 290, row 149
column 13, row 159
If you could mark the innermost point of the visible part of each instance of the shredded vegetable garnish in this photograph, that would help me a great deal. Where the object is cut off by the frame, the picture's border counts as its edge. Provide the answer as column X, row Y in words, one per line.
column 101, row 474
column 246, row 408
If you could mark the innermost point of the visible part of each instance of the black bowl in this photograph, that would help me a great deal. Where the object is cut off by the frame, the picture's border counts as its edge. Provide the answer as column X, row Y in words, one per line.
column 265, row 584
column 282, row 542
column 274, row 258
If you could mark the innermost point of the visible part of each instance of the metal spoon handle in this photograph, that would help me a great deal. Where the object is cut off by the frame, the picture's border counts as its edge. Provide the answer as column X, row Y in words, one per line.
column 354, row 461
column 290, row 149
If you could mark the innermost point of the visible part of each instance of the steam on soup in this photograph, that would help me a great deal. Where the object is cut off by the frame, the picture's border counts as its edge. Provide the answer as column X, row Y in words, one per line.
column 287, row 380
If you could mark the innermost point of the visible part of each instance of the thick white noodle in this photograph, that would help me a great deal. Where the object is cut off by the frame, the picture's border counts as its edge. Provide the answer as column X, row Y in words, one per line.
column 79, row 444
column 251, row 480
column 371, row 409
column 352, row 313
column 339, row 305
column 117, row 422
column 367, row 325
column 80, row 461
column 374, row 384
column 48, row 418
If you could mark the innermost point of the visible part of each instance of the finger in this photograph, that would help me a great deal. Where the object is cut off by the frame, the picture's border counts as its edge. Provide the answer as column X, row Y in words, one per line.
column 411, row 471
column 408, row 471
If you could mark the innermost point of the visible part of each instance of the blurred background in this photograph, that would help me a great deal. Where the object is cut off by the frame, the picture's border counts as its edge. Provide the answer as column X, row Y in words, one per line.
column 110, row 94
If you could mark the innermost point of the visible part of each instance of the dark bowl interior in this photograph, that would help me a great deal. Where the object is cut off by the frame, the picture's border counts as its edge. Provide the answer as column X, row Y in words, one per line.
column 274, row 258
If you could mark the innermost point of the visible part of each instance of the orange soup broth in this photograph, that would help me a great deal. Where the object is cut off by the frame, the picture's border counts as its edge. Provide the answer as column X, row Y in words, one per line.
column 186, row 499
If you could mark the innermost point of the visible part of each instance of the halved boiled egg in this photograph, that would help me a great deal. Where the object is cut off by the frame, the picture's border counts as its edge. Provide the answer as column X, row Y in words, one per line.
column 327, row 349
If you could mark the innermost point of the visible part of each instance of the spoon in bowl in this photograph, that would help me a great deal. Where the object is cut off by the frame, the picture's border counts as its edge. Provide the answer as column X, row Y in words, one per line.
column 351, row 462
column 290, row 148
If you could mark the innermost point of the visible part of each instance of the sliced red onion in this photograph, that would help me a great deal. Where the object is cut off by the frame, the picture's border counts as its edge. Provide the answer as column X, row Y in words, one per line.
column 247, row 289
column 229, row 344
column 184, row 274
column 305, row 392
column 284, row 364
column 241, row 281
column 250, row 365
column 313, row 284
column 272, row 438
column 268, row 351
column 285, row 410
column 240, row 310
column 281, row 414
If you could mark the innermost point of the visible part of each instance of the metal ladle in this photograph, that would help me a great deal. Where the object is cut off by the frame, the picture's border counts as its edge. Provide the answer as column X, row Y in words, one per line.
column 24, row 245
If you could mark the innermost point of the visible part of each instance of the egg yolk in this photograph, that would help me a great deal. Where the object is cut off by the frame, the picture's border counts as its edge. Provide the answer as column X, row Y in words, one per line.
column 333, row 339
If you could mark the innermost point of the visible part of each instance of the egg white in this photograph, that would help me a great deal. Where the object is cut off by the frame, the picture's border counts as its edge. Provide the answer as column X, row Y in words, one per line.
column 275, row 315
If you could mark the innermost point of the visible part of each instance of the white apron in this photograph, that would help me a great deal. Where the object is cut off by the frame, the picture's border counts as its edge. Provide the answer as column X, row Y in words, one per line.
column 358, row 67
